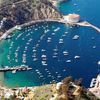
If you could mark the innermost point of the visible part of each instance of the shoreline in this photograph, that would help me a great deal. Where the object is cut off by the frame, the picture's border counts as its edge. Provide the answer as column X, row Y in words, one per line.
column 19, row 27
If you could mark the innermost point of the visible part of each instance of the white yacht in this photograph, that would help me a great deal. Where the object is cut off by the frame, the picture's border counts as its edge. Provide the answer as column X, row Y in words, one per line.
column 77, row 57
column 57, row 29
column 65, row 53
column 43, row 50
column 76, row 37
column 35, row 59
column 44, row 63
column 94, row 47
column 61, row 41
column 98, row 62
column 68, row 61
column 53, row 33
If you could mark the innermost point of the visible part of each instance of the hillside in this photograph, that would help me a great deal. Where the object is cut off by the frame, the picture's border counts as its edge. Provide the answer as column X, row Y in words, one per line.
column 24, row 11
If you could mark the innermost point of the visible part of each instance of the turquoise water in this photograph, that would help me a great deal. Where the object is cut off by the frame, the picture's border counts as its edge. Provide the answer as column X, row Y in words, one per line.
column 42, row 39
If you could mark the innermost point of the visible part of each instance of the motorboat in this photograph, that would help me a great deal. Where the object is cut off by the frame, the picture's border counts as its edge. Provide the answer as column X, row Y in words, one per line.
column 65, row 53
column 77, row 57
column 60, row 40
column 76, row 37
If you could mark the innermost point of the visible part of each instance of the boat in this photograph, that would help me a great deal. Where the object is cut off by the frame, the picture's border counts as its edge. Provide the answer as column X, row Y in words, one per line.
column 43, row 56
column 49, row 75
column 68, row 61
column 35, row 59
column 75, row 4
column 60, row 40
column 64, row 35
column 43, row 50
column 9, row 37
column 44, row 63
column 64, row 70
column 77, row 57
column 54, row 56
column 65, row 53
column 58, row 76
column 27, row 43
column 55, row 49
column 14, row 71
column 48, row 41
column 76, row 37
column 98, row 62
column 57, row 29
column 94, row 47
column 16, row 60
column 55, row 53
column 53, row 33
column 66, row 32
column 34, row 50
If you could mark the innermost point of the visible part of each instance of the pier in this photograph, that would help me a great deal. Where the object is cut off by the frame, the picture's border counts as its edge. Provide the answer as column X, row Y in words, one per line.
column 14, row 69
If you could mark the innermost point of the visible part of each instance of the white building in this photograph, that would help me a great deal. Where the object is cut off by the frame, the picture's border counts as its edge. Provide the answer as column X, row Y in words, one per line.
column 72, row 18
column 95, row 86
column 58, row 86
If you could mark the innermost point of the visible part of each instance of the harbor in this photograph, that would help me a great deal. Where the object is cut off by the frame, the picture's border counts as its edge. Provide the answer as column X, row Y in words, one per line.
column 54, row 47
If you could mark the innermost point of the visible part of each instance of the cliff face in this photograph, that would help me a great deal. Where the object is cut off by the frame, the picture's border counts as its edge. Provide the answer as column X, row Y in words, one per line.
column 26, row 10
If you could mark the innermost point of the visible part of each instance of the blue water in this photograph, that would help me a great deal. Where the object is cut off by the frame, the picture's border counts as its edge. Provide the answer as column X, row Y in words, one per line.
column 36, row 36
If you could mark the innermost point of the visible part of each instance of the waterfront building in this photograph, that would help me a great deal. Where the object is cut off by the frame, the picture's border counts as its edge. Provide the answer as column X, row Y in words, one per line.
column 72, row 18
column 95, row 86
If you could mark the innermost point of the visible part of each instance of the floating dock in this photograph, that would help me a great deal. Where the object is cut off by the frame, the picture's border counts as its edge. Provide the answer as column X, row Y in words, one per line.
column 16, row 68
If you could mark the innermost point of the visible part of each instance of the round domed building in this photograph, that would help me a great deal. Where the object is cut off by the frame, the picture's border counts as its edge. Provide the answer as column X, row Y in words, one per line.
column 72, row 18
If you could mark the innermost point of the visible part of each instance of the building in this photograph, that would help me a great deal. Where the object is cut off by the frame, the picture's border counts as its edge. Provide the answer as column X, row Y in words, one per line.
column 72, row 18
column 95, row 86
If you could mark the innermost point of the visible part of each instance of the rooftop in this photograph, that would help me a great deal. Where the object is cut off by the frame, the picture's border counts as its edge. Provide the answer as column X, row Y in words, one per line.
column 73, row 15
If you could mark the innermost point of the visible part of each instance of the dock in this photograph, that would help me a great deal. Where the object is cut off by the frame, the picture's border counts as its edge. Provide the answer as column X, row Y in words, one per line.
column 16, row 68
